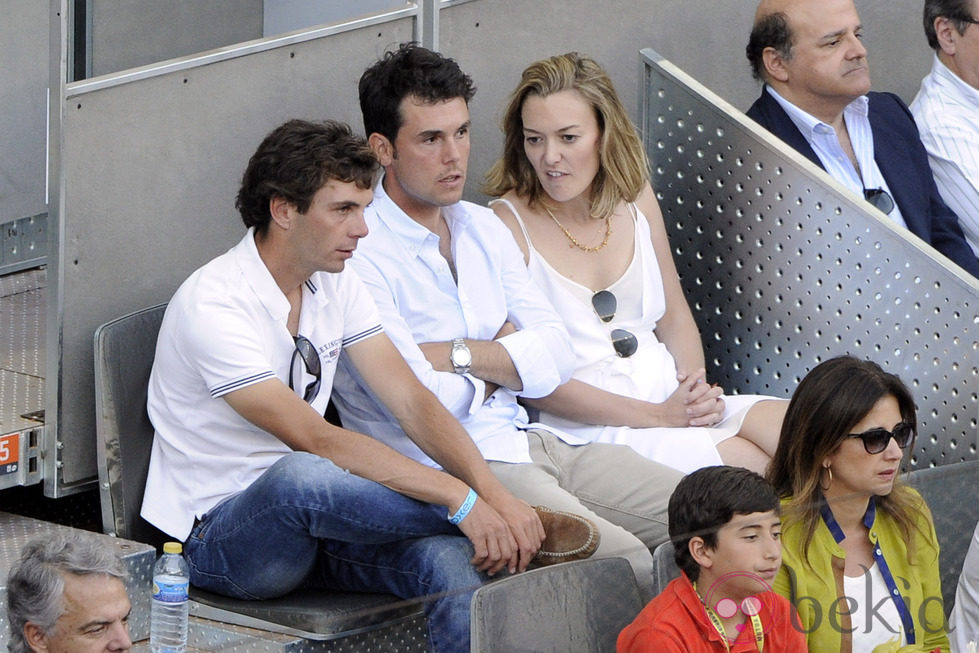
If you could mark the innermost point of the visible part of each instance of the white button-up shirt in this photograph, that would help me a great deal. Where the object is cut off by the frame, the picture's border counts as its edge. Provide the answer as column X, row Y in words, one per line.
column 419, row 301
column 947, row 112
column 825, row 143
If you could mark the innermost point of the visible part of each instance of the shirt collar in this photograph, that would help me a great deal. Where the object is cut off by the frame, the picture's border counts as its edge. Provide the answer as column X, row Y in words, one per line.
column 263, row 284
column 692, row 603
column 404, row 227
column 808, row 124
column 945, row 76
column 834, row 527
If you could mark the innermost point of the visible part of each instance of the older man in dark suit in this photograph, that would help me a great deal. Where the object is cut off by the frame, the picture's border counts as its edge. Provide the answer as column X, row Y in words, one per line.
column 817, row 99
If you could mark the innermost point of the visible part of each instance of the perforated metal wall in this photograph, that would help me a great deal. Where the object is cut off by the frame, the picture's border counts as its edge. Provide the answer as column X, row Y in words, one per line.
column 409, row 636
column 783, row 269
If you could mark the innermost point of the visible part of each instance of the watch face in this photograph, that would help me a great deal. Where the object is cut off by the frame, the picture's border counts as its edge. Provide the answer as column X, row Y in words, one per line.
column 461, row 356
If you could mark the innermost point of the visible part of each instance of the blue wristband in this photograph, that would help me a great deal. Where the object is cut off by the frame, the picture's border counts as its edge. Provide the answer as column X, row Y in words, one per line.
column 466, row 506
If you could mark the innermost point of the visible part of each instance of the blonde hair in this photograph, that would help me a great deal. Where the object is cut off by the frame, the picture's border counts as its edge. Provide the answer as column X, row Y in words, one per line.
column 623, row 168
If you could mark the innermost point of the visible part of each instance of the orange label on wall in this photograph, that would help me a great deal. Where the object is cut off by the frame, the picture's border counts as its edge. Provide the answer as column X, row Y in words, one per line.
column 9, row 449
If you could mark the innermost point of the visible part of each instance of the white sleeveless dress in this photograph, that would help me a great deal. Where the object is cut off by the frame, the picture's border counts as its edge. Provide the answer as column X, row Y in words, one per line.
column 649, row 374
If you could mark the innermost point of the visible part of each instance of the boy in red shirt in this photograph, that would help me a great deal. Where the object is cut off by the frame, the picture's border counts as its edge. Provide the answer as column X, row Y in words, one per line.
column 725, row 527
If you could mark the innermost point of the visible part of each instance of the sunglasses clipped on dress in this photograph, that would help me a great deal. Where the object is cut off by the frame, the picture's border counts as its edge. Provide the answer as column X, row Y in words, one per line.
column 624, row 342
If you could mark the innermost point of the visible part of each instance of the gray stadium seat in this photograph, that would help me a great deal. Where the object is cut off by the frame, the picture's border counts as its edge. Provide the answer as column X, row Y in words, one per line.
column 574, row 606
column 664, row 566
column 124, row 350
column 950, row 491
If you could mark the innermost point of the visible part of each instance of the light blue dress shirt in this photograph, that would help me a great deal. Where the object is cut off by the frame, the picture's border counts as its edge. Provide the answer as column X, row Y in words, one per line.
column 824, row 142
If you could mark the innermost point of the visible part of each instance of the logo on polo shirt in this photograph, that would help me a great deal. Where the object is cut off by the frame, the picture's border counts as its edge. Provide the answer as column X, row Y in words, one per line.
column 330, row 351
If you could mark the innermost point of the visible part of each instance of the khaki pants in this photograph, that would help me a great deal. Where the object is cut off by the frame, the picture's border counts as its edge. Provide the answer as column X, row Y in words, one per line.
column 625, row 494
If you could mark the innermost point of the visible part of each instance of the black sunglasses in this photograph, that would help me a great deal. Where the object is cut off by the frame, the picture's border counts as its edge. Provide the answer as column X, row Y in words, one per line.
column 879, row 198
column 624, row 342
column 876, row 440
column 311, row 359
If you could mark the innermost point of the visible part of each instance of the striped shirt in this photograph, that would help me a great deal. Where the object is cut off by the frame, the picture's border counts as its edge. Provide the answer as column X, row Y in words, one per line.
column 824, row 142
column 947, row 112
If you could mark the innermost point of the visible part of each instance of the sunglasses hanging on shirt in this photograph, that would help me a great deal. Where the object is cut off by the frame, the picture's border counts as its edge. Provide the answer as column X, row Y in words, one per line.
column 879, row 199
column 624, row 342
column 306, row 351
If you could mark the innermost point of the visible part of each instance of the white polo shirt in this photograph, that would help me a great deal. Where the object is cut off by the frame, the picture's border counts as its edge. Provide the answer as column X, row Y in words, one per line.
column 225, row 329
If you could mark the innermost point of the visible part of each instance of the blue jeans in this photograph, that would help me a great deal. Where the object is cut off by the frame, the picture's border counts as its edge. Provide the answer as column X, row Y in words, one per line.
column 306, row 522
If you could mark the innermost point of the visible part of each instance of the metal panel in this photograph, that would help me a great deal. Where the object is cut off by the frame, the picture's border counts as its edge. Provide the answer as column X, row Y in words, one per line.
column 127, row 33
column 206, row 635
column 22, row 322
column 784, row 267
column 280, row 16
column 23, row 96
column 23, row 243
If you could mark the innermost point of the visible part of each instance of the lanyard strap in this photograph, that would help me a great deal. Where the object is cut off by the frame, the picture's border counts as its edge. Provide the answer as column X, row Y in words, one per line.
column 885, row 572
column 715, row 621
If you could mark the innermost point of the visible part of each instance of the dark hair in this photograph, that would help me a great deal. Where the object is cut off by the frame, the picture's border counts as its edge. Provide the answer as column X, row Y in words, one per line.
column 771, row 31
column 296, row 160
column 954, row 10
column 709, row 498
column 832, row 398
column 414, row 71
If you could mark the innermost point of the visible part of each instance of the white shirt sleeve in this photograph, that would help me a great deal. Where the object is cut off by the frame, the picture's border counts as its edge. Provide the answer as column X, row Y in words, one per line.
column 953, row 152
column 219, row 341
column 541, row 348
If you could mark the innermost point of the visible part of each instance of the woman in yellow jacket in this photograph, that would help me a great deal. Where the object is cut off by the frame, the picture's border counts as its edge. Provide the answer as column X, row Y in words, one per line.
column 859, row 552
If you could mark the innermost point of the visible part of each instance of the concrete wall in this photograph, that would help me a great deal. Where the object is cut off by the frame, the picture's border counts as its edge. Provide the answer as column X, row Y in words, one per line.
column 707, row 40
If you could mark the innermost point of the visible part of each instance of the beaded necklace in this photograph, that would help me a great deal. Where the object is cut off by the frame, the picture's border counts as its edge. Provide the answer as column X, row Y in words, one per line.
column 574, row 241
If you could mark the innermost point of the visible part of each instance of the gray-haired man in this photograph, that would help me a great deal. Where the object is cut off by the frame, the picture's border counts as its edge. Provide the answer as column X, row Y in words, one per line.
column 66, row 595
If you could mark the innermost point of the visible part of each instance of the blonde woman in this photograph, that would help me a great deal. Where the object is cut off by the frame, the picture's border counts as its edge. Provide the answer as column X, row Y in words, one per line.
column 574, row 189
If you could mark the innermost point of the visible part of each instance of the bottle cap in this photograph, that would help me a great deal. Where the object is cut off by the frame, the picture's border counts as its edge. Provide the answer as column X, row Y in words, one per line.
column 173, row 547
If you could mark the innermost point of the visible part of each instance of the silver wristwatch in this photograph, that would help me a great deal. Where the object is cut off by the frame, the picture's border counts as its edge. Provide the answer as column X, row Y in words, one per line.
column 460, row 356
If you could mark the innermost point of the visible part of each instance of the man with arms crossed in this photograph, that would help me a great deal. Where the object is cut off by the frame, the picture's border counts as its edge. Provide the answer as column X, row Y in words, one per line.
column 817, row 99
column 267, row 494
column 457, row 300
column 947, row 108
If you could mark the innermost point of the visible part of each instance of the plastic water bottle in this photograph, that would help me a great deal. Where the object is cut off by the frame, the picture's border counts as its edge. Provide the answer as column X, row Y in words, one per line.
column 168, row 621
